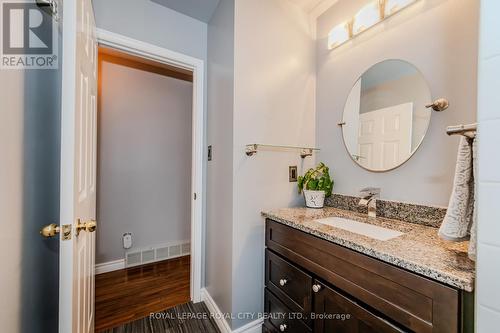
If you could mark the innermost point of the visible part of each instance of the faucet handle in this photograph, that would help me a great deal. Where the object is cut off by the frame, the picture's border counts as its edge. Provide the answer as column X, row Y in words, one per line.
column 370, row 191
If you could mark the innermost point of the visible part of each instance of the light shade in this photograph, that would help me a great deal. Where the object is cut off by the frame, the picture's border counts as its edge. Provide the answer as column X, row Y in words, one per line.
column 394, row 6
column 338, row 35
column 367, row 17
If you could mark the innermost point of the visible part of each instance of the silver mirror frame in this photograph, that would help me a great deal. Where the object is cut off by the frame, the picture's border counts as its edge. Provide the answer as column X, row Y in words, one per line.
column 417, row 147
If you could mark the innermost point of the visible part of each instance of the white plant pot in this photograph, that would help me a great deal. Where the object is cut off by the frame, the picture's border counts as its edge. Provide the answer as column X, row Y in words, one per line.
column 314, row 199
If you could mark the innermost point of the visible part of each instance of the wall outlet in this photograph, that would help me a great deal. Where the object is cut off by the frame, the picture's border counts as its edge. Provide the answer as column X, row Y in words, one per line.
column 292, row 174
column 127, row 240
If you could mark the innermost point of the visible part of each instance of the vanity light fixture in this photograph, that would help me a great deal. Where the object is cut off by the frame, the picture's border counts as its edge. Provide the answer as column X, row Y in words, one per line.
column 394, row 6
column 339, row 35
column 367, row 17
column 374, row 12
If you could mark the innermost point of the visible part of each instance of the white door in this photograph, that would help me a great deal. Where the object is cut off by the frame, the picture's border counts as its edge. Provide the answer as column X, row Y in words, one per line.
column 78, row 167
column 385, row 136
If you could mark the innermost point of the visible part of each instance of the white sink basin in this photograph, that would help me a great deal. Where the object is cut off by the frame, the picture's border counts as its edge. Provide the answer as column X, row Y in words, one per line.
column 361, row 228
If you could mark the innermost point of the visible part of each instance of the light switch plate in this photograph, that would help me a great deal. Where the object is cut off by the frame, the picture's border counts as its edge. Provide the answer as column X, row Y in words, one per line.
column 292, row 173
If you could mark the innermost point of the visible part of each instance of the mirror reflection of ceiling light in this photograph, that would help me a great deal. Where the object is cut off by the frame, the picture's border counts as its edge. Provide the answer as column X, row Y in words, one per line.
column 368, row 16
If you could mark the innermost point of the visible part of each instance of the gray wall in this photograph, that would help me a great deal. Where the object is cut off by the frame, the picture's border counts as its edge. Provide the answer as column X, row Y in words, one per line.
column 144, row 162
column 274, row 94
column 273, row 102
column 444, row 48
column 153, row 23
column 29, row 199
column 219, row 226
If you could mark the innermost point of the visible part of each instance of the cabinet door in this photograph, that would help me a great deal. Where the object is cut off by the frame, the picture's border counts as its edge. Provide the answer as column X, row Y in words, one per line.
column 334, row 312
column 281, row 318
column 291, row 284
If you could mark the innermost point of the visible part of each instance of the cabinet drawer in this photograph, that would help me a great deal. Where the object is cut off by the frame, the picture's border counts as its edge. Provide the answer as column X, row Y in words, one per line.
column 291, row 284
column 281, row 318
column 415, row 302
column 337, row 313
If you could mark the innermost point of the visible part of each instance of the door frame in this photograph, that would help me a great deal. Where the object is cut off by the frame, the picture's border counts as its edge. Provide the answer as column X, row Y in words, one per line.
column 179, row 60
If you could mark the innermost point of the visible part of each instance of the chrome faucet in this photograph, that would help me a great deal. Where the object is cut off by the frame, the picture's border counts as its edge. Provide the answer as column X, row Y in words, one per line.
column 369, row 197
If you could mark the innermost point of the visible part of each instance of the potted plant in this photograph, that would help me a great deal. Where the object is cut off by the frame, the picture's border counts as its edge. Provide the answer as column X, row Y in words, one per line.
column 316, row 185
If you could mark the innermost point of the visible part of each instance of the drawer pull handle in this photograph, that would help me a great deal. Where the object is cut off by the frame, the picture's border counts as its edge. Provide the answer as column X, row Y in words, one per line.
column 283, row 282
column 316, row 288
column 283, row 327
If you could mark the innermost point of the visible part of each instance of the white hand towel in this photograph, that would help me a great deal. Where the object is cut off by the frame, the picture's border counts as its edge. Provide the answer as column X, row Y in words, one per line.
column 460, row 216
column 473, row 229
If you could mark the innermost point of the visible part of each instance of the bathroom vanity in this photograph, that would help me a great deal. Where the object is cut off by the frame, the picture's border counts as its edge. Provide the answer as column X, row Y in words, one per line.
column 321, row 278
column 380, row 267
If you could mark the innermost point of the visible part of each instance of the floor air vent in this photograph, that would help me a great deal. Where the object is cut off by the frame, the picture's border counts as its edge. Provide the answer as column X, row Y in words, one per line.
column 161, row 252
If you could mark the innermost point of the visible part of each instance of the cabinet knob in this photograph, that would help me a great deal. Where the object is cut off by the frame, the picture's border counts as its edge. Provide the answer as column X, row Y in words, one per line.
column 316, row 288
column 283, row 282
column 283, row 327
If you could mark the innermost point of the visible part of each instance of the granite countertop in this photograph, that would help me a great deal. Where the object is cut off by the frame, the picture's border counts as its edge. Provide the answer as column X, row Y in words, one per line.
column 419, row 250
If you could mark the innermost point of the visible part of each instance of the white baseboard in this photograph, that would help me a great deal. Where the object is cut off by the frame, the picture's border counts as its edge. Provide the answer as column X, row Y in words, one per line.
column 110, row 266
column 215, row 311
column 253, row 327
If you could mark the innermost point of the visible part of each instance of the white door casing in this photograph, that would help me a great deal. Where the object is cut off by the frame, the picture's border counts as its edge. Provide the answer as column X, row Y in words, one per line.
column 78, row 166
column 385, row 137
column 197, row 66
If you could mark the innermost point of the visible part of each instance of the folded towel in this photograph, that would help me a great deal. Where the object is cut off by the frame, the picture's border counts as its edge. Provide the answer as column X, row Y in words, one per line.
column 473, row 229
column 460, row 216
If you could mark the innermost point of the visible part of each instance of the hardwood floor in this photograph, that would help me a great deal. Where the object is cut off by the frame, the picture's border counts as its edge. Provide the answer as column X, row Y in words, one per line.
column 130, row 294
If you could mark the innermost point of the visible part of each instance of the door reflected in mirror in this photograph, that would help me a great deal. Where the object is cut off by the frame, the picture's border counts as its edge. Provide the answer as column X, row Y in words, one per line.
column 385, row 116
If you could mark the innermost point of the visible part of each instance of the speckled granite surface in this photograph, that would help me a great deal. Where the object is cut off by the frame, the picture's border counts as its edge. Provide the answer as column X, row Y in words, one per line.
column 419, row 250
column 425, row 215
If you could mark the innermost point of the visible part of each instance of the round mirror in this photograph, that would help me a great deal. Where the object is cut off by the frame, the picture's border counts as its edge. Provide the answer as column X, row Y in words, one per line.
column 385, row 118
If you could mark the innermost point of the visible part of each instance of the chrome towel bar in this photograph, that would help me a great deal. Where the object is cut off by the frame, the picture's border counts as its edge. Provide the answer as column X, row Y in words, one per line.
column 251, row 149
column 466, row 130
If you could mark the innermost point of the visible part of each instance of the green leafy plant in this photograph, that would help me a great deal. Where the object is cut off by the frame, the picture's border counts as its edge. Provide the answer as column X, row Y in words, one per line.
column 317, row 179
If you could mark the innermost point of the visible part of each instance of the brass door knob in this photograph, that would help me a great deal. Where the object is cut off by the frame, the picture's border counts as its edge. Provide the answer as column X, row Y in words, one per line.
column 50, row 230
column 88, row 226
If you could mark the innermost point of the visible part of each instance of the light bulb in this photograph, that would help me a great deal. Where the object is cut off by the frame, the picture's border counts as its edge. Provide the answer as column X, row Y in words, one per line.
column 338, row 35
column 367, row 17
column 394, row 6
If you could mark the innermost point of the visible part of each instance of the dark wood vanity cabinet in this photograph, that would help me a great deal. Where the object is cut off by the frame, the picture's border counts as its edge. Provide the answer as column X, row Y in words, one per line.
column 313, row 285
column 332, row 309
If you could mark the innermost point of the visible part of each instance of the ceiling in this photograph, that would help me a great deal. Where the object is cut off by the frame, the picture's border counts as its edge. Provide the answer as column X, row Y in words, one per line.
column 307, row 5
column 204, row 9
column 314, row 8
column 199, row 9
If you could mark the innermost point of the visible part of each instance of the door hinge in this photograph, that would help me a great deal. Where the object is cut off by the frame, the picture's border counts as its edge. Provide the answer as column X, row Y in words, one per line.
column 195, row 196
column 49, row 6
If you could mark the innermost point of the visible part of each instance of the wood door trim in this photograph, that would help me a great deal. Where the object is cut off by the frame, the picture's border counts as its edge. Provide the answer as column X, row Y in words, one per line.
column 108, row 54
